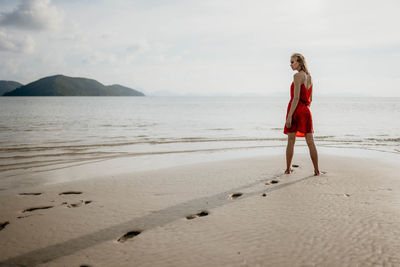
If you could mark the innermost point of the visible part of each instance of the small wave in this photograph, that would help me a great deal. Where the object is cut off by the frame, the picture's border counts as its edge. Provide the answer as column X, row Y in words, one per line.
column 191, row 138
column 113, row 125
column 344, row 141
column 324, row 136
column 221, row 129
column 64, row 142
column 384, row 139
column 55, row 155
column 5, row 129
column 201, row 140
column 159, row 141
column 156, row 141
column 146, row 125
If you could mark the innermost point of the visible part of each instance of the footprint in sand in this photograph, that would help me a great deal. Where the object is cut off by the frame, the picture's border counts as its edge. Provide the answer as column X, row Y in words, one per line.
column 29, row 215
column 70, row 193
column 37, row 208
column 200, row 214
column 128, row 235
column 272, row 182
column 3, row 225
column 77, row 204
column 235, row 195
column 30, row 194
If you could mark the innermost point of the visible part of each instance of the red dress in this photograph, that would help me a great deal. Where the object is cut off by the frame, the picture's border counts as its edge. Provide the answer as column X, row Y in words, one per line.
column 301, row 119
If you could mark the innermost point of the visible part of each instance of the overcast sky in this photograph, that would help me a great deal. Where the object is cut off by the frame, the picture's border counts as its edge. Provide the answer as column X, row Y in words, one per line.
column 207, row 47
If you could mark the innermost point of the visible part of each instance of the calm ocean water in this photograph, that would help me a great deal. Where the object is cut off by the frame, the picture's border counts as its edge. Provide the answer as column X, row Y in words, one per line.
column 46, row 133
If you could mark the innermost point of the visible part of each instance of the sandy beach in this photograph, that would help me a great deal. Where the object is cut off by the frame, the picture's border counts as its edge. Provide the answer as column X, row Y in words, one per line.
column 242, row 212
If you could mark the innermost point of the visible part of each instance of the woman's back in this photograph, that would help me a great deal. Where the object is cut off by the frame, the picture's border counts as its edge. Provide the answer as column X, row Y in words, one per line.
column 307, row 80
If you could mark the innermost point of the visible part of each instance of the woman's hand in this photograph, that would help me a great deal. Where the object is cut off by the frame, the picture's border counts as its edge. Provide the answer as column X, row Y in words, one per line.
column 289, row 122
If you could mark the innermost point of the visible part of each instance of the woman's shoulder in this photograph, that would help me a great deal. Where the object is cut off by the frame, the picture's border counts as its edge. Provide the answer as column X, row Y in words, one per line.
column 301, row 76
column 298, row 76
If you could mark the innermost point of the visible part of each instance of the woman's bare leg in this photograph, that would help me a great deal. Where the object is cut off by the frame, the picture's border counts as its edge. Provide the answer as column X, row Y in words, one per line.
column 289, row 151
column 313, row 152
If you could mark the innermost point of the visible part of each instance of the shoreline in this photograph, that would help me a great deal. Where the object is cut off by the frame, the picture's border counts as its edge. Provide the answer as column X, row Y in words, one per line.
column 16, row 180
column 212, row 213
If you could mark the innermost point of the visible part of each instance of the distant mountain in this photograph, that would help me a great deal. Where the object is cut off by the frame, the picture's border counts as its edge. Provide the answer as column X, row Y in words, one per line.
column 7, row 86
column 119, row 89
column 60, row 85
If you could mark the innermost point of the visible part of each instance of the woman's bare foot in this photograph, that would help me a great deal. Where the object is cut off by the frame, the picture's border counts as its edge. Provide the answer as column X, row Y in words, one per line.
column 318, row 173
column 288, row 171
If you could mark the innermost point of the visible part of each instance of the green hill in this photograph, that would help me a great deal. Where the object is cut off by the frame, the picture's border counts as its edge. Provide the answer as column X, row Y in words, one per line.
column 60, row 85
column 119, row 89
column 7, row 86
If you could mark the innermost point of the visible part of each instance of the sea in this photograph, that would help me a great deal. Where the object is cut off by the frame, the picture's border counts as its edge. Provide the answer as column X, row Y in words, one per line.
column 56, row 139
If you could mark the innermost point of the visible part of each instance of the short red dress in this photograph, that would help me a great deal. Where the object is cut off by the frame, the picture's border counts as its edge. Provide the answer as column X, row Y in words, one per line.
column 301, row 119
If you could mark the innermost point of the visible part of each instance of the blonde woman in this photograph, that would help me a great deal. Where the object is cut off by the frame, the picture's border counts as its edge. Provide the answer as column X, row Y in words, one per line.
column 298, row 116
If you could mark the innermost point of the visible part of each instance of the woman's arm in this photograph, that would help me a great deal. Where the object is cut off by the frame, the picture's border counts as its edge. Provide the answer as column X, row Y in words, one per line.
column 311, row 91
column 297, row 79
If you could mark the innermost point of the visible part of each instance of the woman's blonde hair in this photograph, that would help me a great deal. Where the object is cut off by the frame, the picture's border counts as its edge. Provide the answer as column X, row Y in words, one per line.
column 302, row 61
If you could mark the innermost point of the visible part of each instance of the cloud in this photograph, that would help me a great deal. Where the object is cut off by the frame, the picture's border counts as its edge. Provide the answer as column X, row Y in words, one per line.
column 33, row 15
column 17, row 44
column 94, row 57
column 138, row 47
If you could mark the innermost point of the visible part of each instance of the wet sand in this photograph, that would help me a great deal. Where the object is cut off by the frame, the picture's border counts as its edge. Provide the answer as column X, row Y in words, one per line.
column 243, row 212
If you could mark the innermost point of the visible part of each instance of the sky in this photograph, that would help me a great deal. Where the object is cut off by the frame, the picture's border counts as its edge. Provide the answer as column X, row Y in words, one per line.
column 207, row 47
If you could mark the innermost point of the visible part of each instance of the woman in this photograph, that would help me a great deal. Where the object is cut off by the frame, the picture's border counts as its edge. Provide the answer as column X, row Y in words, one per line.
column 298, row 116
